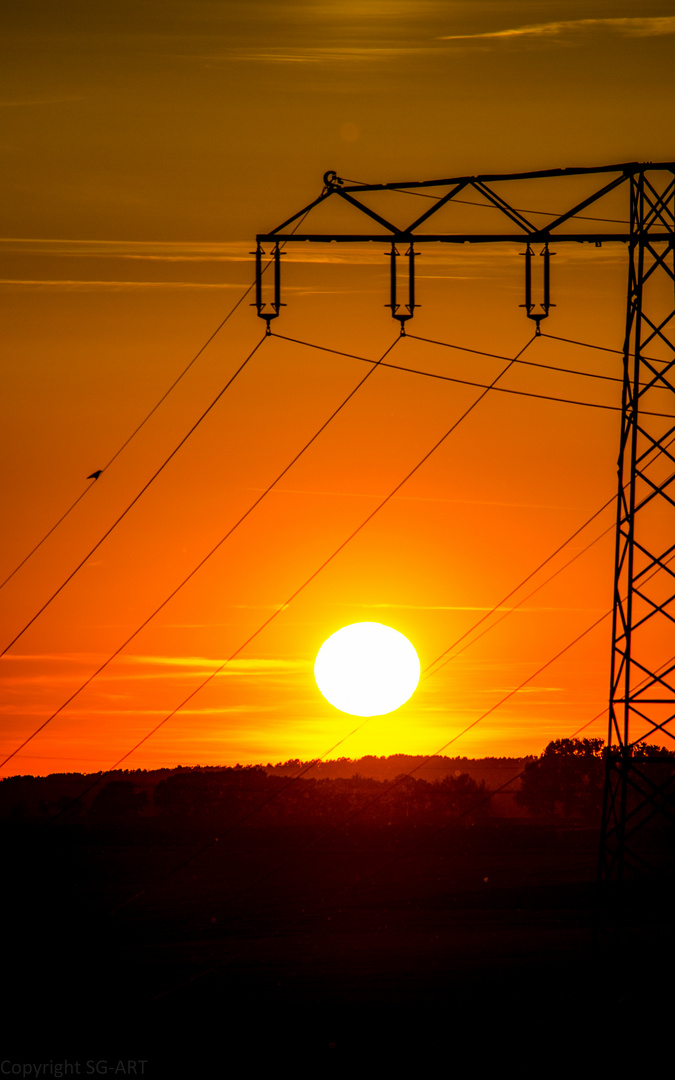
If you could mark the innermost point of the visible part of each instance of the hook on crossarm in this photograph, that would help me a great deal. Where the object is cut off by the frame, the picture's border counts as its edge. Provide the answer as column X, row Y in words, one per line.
column 268, row 310
column 409, row 308
column 331, row 180
column 530, row 307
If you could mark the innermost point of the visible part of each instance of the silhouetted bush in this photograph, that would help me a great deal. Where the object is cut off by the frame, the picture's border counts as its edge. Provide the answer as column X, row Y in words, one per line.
column 566, row 781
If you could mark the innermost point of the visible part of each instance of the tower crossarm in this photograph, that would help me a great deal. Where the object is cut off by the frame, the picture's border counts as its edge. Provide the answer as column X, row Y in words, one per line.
column 493, row 192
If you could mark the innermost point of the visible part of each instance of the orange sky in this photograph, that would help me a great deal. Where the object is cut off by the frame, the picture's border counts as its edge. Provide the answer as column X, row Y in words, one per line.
column 145, row 145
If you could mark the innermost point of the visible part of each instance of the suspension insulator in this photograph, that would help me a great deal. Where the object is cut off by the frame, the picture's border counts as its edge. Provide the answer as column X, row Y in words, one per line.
column 537, row 312
column 402, row 312
column 268, row 310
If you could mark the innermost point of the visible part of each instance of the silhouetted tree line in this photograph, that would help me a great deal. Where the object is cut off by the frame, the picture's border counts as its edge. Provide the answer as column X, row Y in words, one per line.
column 40, row 798
column 191, row 800
column 565, row 783
column 492, row 770
column 217, row 800
column 567, row 780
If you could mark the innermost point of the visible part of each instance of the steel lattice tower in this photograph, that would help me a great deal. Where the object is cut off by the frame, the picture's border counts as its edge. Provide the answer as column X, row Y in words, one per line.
column 639, row 785
column 638, row 789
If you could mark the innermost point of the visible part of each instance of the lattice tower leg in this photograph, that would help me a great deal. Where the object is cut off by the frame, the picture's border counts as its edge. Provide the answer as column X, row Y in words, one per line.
column 639, row 802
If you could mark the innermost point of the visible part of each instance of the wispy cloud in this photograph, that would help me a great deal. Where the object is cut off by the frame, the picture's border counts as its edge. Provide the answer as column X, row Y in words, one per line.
column 111, row 286
column 319, row 55
column 524, row 690
column 60, row 658
column 488, row 257
column 161, row 250
column 649, row 26
column 470, row 607
column 127, row 710
column 243, row 664
column 541, row 690
column 150, row 667
column 218, row 710
column 17, row 103
column 180, row 251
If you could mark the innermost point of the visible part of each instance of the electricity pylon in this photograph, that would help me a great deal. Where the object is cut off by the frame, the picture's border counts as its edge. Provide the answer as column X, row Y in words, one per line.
column 639, row 786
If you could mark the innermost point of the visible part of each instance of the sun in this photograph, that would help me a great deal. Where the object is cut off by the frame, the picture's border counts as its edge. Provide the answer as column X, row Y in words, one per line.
column 367, row 669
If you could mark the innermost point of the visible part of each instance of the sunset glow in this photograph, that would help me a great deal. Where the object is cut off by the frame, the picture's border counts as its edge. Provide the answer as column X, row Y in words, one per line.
column 367, row 669
column 223, row 518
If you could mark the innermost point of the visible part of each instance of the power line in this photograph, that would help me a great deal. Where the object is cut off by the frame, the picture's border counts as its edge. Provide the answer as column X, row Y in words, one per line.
column 515, row 607
column 548, row 559
column 489, row 355
column 153, row 410
column 508, row 390
column 133, row 502
column 132, row 436
column 526, row 393
column 48, row 533
column 529, row 363
column 616, row 352
column 610, row 528
column 199, row 565
column 587, row 344
column 428, row 671
column 460, row 348
column 479, row 385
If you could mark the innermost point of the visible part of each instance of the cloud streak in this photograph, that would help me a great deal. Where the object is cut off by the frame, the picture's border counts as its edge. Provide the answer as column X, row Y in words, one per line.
column 650, row 26
column 111, row 286
column 240, row 664
column 319, row 55
column 18, row 103
column 484, row 257
column 472, row 607
column 153, row 250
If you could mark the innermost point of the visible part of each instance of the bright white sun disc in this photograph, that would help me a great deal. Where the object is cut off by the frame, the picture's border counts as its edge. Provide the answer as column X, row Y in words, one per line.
column 367, row 669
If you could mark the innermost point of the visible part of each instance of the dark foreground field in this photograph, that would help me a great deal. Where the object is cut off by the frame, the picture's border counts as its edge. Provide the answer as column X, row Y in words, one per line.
column 300, row 943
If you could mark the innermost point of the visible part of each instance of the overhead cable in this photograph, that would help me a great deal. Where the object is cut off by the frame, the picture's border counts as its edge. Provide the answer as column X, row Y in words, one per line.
column 134, row 433
column 495, row 607
column 533, row 573
column 464, row 349
column 202, row 562
column 479, row 385
column 153, row 410
column 133, row 502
